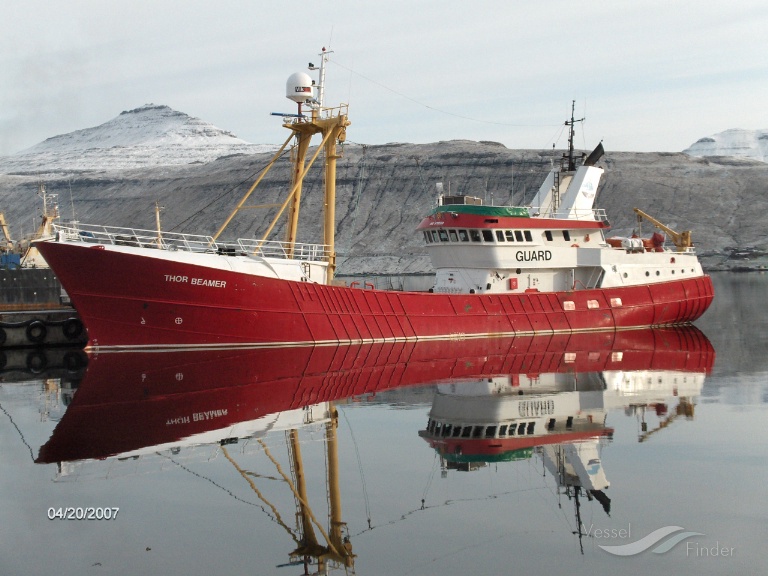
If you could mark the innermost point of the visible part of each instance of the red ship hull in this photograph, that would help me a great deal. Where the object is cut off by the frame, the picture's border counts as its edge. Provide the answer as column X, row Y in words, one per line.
column 126, row 300
column 131, row 400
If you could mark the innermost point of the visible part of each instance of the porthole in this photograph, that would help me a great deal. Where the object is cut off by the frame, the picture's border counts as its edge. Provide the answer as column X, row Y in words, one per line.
column 625, row 275
column 658, row 273
column 647, row 273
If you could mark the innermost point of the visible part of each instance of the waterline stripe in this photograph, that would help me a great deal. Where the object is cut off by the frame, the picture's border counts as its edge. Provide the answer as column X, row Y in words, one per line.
column 362, row 341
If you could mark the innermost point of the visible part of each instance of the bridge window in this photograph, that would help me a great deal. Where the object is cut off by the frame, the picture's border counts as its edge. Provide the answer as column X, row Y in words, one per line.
column 477, row 432
column 519, row 235
column 463, row 236
column 548, row 235
column 427, row 236
column 500, row 235
column 567, row 235
column 443, row 236
column 474, row 235
column 531, row 426
column 510, row 235
column 466, row 432
column 490, row 431
column 502, row 431
column 528, row 236
column 447, row 430
column 488, row 235
column 456, row 432
column 452, row 234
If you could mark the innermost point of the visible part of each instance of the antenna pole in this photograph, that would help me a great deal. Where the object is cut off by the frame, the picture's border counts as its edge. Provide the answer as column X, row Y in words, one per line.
column 571, row 162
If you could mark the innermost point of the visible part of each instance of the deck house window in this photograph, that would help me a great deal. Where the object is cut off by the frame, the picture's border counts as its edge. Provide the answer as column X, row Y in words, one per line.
column 488, row 235
column 474, row 235
column 427, row 236
column 519, row 235
column 500, row 235
column 567, row 235
column 463, row 236
column 548, row 235
column 452, row 234
column 434, row 236
column 510, row 235
column 528, row 236
column 443, row 236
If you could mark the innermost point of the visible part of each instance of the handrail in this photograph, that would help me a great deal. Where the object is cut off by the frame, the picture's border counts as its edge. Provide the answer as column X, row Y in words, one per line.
column 174, row 241
column 596, row 214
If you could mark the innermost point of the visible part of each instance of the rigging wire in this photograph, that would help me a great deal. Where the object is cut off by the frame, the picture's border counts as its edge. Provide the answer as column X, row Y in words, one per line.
column 21, row 434
column 223, row 194
column 220, row 487
column 430, row 479
column 366, row 499
column 432, row 107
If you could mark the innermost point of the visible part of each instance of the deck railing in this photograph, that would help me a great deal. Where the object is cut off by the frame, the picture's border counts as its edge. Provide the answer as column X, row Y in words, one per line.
column 597, row 214
column 173, row 241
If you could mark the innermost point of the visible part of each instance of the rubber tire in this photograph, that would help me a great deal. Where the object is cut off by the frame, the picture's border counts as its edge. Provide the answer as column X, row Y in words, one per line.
column 72, row 328
column 37, row 362
column 36, row 331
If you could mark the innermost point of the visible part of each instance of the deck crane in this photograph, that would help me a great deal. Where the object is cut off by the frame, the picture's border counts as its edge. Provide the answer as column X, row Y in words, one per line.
column 682, row 240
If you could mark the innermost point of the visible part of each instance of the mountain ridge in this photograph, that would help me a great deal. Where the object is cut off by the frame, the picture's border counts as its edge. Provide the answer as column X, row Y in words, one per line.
column 150, row 135
column 382, row 191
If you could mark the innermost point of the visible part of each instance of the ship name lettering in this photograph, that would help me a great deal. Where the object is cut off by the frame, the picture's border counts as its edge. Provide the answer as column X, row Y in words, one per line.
column 208, row 415
column 179, row 420
column 533, row 255
column 208, row 282
column 528, row 408
column 175, row 278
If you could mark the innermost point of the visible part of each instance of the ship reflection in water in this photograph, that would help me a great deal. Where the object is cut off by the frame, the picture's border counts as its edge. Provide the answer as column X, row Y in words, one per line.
column 494, row 401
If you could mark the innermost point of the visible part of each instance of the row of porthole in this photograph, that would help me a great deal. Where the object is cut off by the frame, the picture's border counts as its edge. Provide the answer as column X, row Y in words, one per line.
column 658, row 273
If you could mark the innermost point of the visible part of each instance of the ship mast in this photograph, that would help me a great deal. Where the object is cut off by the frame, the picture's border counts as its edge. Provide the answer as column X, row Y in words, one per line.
column 570, row 124
column 332, row 124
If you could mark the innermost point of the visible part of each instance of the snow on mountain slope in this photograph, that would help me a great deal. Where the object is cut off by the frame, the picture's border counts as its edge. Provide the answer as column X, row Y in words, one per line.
column 751, row 144
column 147, row 136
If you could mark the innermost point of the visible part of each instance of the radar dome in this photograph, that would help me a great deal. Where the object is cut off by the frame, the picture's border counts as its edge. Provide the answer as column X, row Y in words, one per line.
column 299, row 87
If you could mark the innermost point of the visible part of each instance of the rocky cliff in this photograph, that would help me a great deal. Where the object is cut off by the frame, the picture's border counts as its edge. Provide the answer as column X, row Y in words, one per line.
column 384, row 191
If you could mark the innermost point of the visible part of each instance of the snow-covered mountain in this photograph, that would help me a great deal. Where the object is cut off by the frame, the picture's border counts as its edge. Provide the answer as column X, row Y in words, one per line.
column 144, row 137
column 751, row 144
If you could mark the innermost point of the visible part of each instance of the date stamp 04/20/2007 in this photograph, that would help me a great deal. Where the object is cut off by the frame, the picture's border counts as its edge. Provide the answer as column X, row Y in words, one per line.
column 83, row 513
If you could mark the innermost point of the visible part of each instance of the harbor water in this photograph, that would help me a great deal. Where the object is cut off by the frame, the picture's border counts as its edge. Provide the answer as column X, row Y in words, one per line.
column 594, row 454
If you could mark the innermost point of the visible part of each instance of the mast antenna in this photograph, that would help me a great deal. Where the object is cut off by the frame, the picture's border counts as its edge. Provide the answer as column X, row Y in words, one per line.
column 571, row 162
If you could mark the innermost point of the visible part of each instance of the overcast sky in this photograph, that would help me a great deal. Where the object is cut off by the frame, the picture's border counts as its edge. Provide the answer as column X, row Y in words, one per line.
column 648, row 75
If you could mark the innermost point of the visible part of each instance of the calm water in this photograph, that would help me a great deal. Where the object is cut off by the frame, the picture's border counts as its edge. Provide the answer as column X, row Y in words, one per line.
column 529, row 456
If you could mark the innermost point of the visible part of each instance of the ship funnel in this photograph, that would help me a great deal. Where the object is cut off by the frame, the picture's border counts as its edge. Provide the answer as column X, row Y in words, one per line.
column 299, row 88
column 595, row 155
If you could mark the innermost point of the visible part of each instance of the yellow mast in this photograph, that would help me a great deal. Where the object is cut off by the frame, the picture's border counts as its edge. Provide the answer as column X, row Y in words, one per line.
column 333, row 128
column 332, row 124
